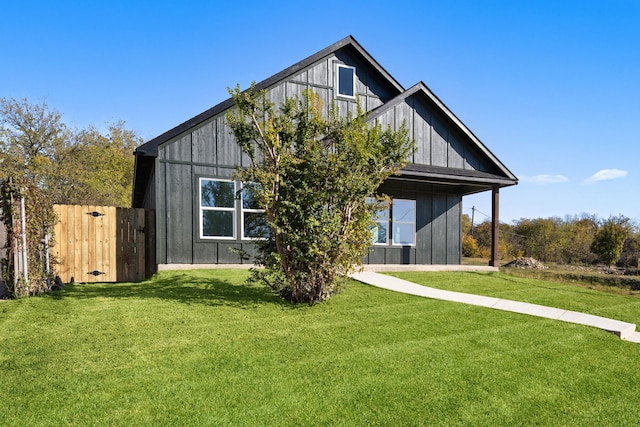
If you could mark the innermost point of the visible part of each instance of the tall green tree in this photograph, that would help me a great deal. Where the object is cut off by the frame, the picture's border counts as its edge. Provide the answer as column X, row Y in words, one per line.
column 315, row 178
column 608, row 240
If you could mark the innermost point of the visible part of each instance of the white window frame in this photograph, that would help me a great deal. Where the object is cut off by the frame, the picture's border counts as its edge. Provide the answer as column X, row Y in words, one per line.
column 394, row 222
column 202, row 209
column 248, row 210
column 337, row 83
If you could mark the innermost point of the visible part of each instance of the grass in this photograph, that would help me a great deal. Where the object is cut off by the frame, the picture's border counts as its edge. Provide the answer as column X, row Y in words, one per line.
column 202, row 348
column 616, row 303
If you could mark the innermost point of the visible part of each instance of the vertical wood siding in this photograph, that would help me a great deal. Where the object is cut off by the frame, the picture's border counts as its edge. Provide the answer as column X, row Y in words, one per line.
column 111, row 244
column 437, row 144
column 438, row 228
column 210, row 150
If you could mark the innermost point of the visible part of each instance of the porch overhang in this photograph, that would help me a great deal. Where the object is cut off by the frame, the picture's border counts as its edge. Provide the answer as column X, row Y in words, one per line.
column 453, row 180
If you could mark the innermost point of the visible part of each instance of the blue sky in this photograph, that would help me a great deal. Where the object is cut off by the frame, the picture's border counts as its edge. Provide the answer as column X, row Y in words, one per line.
column 551, row 87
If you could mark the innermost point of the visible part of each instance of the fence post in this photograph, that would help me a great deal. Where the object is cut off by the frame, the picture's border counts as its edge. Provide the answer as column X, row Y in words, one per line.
column 23, row 224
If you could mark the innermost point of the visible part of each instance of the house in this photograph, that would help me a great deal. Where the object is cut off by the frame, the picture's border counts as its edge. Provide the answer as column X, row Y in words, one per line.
column 175, row 170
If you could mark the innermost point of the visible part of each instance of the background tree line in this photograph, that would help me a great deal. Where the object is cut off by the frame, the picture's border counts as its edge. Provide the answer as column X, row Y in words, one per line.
column 71, row 166
column 584, row 239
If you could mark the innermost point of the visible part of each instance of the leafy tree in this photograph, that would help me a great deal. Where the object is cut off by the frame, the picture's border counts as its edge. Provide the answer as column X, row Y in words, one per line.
column 470, row 246
column 575, row 238
column 482, row 235
column 466, row 224
column 97, row 169
column 537, row 238
column 70, row 166
column 631, row 249
column 315, row 177
column 608, row 240
column 31, row 136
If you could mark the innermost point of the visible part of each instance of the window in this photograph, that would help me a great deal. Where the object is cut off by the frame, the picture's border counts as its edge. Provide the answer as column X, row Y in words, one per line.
column 403, row 220
column 217, row 208
column 254, row 220
column 346, row 81
column 380, row 231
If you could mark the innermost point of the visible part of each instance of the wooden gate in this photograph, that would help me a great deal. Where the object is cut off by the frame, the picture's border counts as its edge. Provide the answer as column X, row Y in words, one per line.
column 99, row 244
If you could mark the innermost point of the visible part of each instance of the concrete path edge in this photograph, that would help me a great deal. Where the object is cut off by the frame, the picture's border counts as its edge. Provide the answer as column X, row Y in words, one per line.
column 624, row 330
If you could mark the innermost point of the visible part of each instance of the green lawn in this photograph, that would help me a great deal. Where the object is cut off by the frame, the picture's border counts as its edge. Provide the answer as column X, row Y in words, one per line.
column 202, row 348
column 570, row 297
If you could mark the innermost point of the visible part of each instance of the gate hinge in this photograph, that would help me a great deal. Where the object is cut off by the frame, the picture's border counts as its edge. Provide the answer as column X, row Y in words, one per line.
column 96, row 273
column 95, row 213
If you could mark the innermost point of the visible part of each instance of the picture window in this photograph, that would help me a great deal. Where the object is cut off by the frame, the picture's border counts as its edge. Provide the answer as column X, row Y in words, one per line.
column 217, row 208
column 403, row 220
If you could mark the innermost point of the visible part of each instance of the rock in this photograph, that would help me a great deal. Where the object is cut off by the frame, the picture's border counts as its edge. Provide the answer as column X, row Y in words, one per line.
column 526, row 263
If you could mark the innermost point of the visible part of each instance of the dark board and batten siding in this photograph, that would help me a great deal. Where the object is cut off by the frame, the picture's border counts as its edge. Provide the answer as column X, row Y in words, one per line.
column 438, row 228
column 320, row 78
column 209, row 150
column 436, row 143
column 449, row 161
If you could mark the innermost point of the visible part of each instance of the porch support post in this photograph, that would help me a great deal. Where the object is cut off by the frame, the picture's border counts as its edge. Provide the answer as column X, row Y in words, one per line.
column 495, row 221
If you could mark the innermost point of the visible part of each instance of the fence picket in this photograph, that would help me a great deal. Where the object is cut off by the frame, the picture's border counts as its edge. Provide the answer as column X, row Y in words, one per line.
column 110, row 243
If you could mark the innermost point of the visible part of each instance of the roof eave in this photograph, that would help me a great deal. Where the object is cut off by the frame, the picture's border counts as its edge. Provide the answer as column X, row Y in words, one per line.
column 424, row 89
column 489, row 181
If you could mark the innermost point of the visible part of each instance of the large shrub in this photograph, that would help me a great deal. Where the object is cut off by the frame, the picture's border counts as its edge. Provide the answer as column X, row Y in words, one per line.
column 315, row 177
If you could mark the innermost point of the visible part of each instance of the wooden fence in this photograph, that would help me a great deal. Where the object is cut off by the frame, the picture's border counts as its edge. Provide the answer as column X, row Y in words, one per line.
column 100, row 243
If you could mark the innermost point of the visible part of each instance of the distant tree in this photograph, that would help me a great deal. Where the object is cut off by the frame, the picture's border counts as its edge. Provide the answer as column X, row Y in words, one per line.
column 98, row 168
column 631, row 249
column 466, row 224
column 31, row 137
column 608, row 240
column 574, row 239
column 536, row 238
column 316, row 176
column 470, row 246
column 480, row 242
column 482, row 235
column 70, row 166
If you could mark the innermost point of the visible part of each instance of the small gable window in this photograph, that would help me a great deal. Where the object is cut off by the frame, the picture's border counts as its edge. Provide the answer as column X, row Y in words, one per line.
column 346, row 81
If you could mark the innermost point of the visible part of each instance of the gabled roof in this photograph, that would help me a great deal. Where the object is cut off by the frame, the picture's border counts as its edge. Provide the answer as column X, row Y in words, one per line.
column 150, row 148
column 471, row 181
column 506, row 177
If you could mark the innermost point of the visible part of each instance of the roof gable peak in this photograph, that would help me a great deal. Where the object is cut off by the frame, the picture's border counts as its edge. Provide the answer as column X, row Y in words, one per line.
column 150, row 148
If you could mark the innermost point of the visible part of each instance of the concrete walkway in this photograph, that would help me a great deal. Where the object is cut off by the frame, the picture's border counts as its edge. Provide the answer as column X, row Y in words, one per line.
column 626, row 331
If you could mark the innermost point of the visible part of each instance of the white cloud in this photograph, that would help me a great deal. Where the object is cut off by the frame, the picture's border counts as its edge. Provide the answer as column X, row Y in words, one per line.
column 605, row 175
column 545, row 179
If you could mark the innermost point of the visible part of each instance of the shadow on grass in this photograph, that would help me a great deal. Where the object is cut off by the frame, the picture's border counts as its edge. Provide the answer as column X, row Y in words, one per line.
column 183, row 288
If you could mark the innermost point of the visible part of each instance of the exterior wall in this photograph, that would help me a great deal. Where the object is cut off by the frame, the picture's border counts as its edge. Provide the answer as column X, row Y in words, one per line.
column 438, row 227
column 210, row 151
column 371, row 90
column 436, row 143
